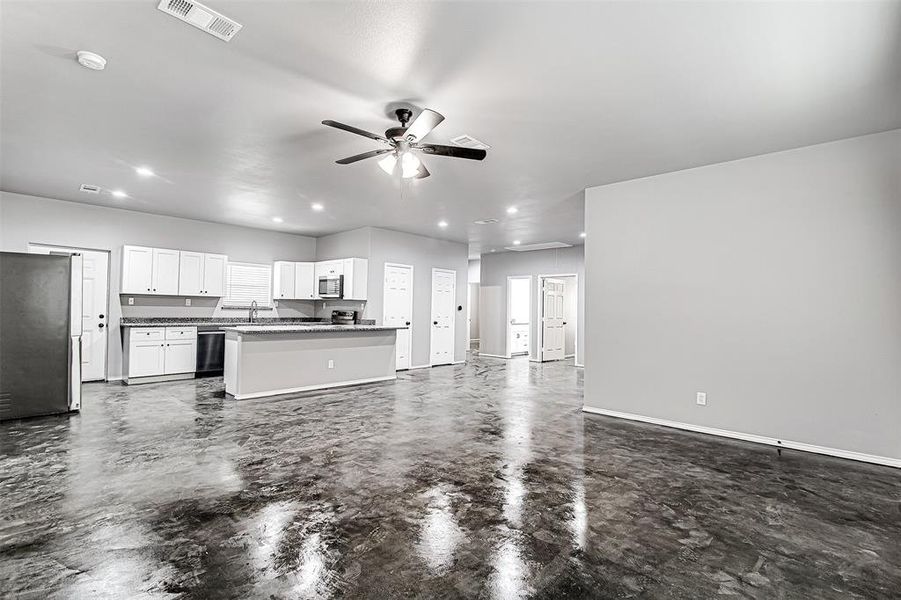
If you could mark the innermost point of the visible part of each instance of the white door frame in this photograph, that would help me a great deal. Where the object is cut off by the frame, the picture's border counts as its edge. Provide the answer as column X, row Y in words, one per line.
column 412, row 289
column 508, row 327
column 540, row 298
column 453, row 314
column 109, row 266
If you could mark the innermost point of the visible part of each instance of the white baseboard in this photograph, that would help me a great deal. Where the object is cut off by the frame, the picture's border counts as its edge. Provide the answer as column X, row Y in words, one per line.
column 458, row 362
column 750, row 437
column 419, row 367
column 568, row 355
column 492, row 355
column 109, row 379
column 578, row 365
column 307, row 388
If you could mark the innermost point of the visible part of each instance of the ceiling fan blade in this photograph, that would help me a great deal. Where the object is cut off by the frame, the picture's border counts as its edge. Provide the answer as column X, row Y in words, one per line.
column 454, row 151
column 365, row 155
column 423, row 125
column 422, row 173
column 356, row 130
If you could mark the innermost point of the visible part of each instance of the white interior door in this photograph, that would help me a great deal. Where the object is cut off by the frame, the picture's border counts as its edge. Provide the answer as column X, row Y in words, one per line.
column 552, row 333
column 444, row 296
column 94, row 318
column 398, row 309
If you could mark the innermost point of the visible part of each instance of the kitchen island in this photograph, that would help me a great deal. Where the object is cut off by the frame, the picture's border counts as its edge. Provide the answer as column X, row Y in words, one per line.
column 266, row 360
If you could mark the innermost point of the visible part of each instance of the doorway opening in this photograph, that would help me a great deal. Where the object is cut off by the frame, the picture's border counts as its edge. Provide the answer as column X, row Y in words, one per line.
column 95, row 307
column 473, row 316
column 519, row 314
column 558, row 317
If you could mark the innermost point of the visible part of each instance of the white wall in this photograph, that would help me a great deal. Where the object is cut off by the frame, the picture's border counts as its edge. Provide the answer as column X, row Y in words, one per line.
column 30, row 219
column 772, row 283
column 497, row 267
column 424, row 254
column 475, row 270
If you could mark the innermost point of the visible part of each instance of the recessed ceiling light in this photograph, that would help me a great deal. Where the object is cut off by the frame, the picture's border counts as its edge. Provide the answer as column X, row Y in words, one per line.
column 516, row 242
column 93, row 61
column 493, row 250
column 277, row 220
column 119, row 194
column 442, row 224
column 144, row 172
column 512, row 210
column 317, row 207
column 583, row 234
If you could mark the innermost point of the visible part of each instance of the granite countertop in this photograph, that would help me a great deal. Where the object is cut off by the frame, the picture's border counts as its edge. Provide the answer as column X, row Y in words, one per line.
column 266, row 329
column 215, row 321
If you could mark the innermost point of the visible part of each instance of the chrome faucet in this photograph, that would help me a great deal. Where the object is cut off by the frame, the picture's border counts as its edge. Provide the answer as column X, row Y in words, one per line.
column 252, row 314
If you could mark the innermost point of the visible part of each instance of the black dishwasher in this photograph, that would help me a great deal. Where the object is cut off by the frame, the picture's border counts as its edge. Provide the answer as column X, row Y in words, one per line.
column 210, row 352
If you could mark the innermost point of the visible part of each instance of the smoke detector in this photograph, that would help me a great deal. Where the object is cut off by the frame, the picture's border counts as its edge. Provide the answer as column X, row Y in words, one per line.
column 89, row 189
column 467, row 141
column 90, row 60
column 202, row 17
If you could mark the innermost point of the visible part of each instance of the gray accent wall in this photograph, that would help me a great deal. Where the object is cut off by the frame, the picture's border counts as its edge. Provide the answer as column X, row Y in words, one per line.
column 771, row 283
column 424, row 254
column 31, row 219
column 495, row 269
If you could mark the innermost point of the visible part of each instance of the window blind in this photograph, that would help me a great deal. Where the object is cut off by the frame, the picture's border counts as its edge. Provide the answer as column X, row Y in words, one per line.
column 246, row 282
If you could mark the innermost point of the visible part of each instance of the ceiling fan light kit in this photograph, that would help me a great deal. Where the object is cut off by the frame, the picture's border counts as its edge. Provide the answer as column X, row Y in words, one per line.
column 403, row 141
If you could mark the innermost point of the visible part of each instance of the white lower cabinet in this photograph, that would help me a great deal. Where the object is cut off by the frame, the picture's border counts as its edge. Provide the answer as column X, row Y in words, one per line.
column 158, row 351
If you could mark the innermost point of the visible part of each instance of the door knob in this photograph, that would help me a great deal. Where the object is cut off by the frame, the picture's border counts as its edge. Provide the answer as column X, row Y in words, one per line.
column 100, row 316
column 101, row 325
column 408, row 323
column 434, row 322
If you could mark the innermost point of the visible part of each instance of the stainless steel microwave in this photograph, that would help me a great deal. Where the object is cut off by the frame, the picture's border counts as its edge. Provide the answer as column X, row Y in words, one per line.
column 331, row 286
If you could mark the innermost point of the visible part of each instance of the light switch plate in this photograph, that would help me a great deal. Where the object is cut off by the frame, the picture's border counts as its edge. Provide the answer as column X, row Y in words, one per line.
column 131, row 301
column 331, row 364
column 187, row 302
column 702, row 398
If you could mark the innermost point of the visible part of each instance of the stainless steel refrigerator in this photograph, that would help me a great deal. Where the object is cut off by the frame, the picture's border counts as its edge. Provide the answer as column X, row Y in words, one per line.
column 40, row 334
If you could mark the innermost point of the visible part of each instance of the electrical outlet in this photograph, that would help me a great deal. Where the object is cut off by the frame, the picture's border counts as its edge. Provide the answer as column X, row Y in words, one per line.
column 331, row 364
column 187, row 302
column 131, row 301
column 702, row 398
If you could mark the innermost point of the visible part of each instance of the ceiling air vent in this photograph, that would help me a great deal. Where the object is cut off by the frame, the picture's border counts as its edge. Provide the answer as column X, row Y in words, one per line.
column 485, row 221
column 467, row 141
column 201, row 17
column 542, row 246
column 90, row 189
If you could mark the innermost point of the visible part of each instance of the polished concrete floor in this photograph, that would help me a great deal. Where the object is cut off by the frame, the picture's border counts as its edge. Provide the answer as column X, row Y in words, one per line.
column 482, row 480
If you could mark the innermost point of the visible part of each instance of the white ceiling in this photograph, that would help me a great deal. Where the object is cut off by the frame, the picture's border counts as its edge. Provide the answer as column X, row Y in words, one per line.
column 568, row 95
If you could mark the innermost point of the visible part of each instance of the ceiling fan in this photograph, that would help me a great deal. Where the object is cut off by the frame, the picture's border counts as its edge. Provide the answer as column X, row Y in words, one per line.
column 403, row 141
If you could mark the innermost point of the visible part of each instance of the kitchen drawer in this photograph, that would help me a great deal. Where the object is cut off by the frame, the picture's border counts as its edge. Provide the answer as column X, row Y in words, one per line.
column 143, row 334
column 181, row 333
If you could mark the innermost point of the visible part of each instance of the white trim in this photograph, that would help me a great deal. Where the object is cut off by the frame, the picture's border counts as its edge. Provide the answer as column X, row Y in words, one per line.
column 157, row 378
column 540, row 333
column 569, row 355
column 108, row 379
column 458, row 362
column 474, row 340
column 493, row 355
column 751, row 437
column 307, row 388
column 413, row 368
column 578, row 365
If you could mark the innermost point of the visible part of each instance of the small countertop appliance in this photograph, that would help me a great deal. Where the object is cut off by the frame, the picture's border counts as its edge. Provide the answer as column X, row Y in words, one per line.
column 344, row 317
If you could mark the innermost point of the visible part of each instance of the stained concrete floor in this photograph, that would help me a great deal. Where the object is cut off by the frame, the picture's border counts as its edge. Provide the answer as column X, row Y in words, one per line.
column 482, row 480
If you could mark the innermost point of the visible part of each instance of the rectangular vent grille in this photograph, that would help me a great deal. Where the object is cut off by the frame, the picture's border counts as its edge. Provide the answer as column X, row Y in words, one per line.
column 467, row 141
column 542, row 246
column 90, row 189
column 201, row 17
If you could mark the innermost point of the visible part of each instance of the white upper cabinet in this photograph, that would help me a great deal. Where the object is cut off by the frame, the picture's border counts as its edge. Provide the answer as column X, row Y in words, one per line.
column 172, row 272
column 201, row 274
column 165, row 272
column 190, row 274
column 283, row 280
column 137, row 270
column 214, row 274
column 356, row 278
column 305, row 284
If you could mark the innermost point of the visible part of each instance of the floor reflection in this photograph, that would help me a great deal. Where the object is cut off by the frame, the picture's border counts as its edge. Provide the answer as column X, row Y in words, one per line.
column 439, row 534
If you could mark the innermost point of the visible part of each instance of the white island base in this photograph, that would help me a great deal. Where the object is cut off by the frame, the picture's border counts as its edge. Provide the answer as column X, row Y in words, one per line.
column 271, row 360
